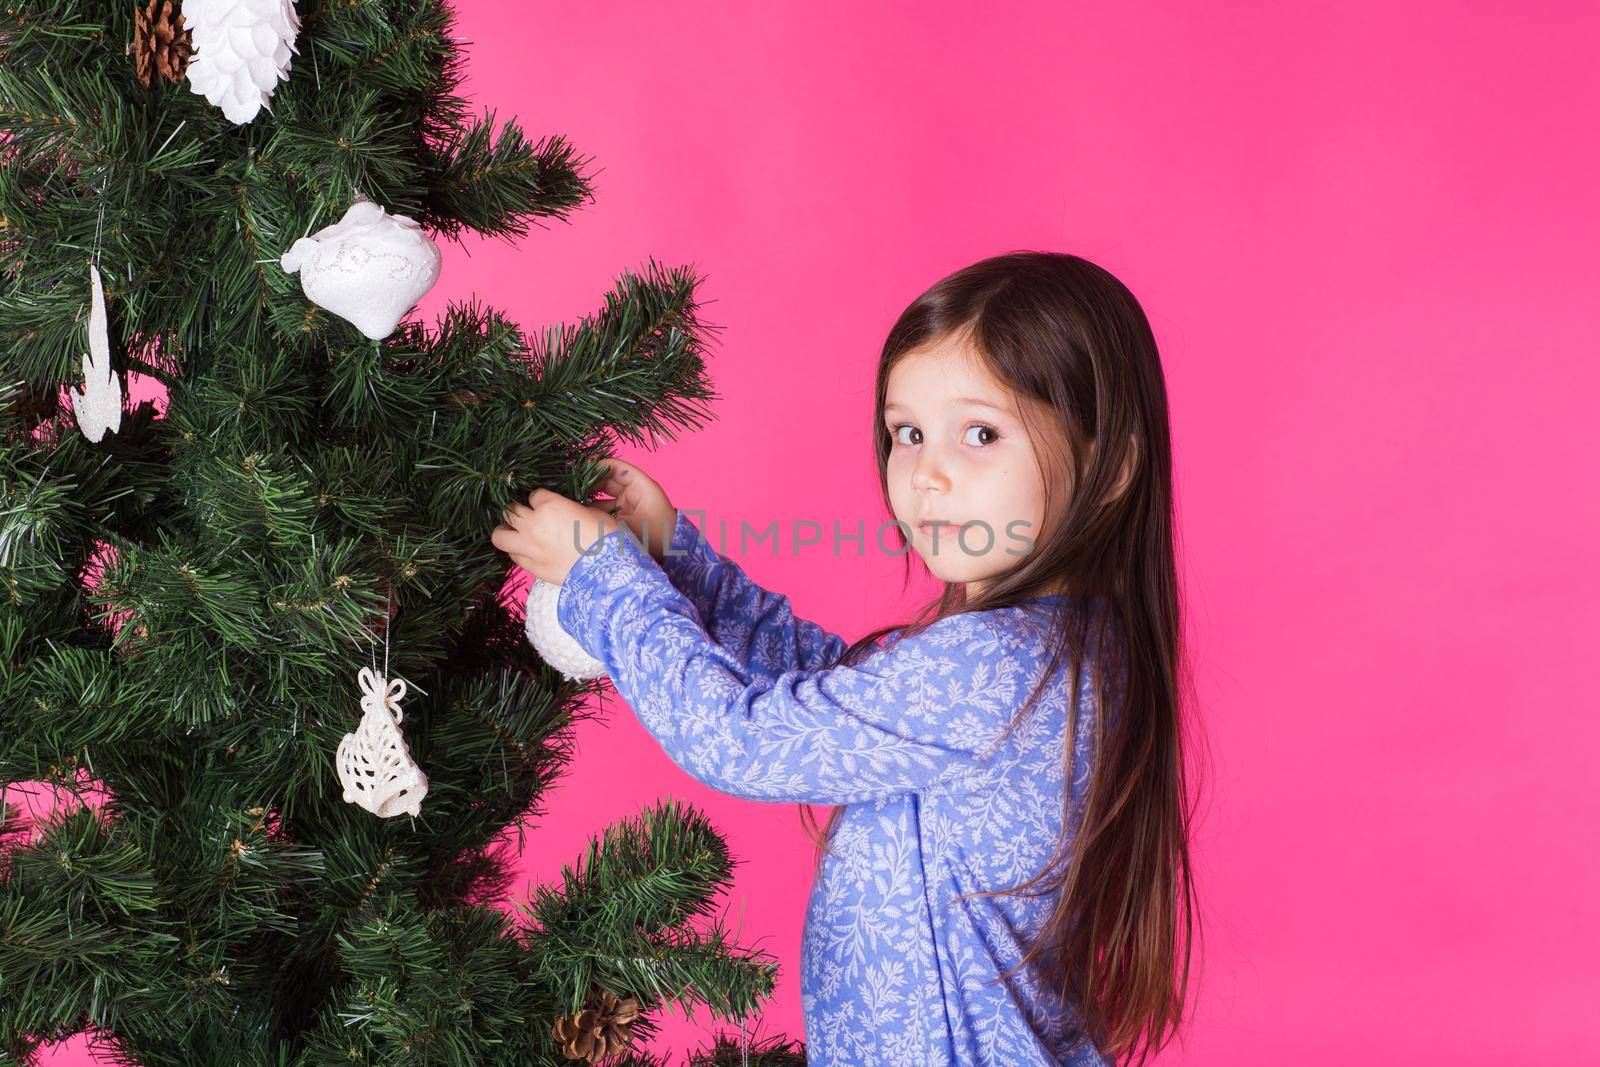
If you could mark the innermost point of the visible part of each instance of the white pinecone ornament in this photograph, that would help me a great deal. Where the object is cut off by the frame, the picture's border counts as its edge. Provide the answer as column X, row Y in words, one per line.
column 554, row 645
column 242, row 49
column 374, row 764
column 369, row 268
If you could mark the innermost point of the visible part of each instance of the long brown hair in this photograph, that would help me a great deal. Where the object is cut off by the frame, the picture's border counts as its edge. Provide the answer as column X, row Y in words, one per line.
column 1064, row 331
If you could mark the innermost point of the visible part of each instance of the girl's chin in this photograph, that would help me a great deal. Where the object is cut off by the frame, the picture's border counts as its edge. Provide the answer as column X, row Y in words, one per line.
column 941, row 571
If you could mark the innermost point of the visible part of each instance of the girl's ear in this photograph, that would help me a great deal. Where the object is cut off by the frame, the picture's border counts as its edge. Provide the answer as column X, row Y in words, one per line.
column 1130, row 463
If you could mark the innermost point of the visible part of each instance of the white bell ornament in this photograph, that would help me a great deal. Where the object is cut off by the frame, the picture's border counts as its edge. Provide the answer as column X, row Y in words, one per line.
column 554, row 645
column 374, row 764
column 369, row 268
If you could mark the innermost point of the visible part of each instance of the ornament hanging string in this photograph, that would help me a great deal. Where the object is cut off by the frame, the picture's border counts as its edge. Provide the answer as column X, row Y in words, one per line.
column 387, row 620
column 100, row 223
column 388, row 624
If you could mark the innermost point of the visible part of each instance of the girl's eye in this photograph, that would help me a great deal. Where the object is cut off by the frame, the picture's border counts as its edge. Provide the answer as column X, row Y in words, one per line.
column 994, row 435
column 895, row 433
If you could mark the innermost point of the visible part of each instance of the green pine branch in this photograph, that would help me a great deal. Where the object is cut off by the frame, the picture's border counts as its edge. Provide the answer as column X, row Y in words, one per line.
column 184, row 604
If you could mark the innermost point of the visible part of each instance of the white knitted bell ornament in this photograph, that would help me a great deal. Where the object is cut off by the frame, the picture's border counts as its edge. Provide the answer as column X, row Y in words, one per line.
column 242, row 50
column 554, row 645
column 369, row 268
column 374, row 763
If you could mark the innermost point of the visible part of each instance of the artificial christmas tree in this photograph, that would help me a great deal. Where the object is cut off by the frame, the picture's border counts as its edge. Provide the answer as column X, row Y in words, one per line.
column 191, row 592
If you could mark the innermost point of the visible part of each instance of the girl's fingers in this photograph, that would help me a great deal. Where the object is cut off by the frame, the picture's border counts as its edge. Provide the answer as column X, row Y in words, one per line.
column 618, row 492
column 504, row 538
column 615, row 484
column 619, row 476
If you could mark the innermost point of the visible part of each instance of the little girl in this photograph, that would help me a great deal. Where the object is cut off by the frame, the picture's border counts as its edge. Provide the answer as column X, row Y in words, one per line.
column 992, row 894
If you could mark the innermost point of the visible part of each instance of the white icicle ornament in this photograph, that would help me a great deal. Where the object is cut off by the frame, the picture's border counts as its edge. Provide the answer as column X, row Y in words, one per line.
column 369, row 268
column 242, row 49
column 374, row 763
column 99, row 405
column 554, row 645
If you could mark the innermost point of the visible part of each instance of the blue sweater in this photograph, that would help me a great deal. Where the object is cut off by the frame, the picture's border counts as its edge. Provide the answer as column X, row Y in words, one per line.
column 741, row 694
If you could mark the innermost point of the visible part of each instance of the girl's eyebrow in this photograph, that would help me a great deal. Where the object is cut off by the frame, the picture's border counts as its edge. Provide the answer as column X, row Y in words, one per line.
column 973, row 400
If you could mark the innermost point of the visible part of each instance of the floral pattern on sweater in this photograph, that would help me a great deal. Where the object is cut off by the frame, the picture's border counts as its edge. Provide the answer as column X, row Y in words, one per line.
column 747, row 698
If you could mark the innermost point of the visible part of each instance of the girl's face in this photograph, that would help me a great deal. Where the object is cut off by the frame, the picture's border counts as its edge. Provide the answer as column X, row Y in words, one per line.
column 960, row 453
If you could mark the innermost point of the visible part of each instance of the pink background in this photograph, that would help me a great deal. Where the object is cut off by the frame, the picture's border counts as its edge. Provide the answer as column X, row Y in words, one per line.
column 1365, row 236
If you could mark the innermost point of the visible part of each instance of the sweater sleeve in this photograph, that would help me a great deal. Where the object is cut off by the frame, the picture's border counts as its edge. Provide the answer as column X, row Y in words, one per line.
column 927, row 707
column 757, row 626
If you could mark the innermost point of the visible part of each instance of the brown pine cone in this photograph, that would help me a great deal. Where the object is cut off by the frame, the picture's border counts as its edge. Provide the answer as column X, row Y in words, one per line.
column 161, row 45
column 599, row 1030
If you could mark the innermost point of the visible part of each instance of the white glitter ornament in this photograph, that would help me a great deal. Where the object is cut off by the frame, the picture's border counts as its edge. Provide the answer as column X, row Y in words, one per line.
column 554, row 645
column 99, row 405
column 374, row 763
column 242, row 50
column 369, row 268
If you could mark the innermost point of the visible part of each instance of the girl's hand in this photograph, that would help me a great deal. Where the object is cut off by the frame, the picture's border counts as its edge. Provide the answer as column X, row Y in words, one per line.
column 640, row 504
column 548, row 535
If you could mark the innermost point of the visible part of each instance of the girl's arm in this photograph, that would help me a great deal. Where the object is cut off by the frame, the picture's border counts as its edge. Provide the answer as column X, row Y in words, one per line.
column 758, row 626
column 927, row 708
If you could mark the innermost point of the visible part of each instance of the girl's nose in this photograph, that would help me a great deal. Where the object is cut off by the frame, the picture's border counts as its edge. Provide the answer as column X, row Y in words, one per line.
column 929, row 474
